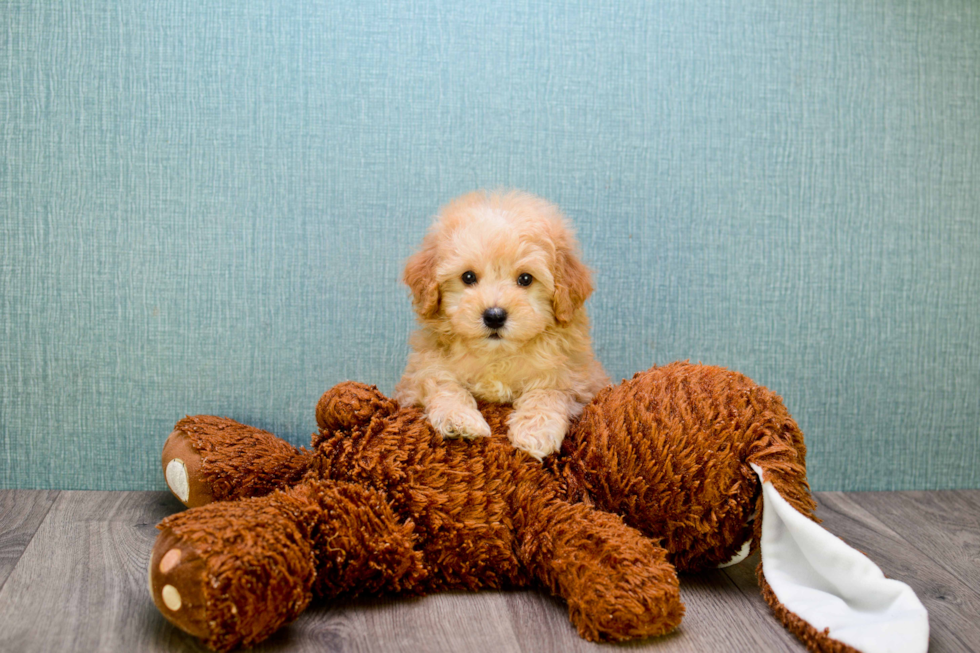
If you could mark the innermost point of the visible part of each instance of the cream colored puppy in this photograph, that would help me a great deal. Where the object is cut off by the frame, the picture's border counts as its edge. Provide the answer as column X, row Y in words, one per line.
column 498, row 288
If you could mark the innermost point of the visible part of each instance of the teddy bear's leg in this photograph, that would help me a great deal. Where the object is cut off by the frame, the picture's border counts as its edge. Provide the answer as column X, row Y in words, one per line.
column 209, row 459
column 617, row 582
column 232, row 573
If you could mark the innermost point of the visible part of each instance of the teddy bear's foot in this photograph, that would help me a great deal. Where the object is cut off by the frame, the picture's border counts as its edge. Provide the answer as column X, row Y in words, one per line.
column 177, row 584
column 232, row 573
column 182, row 469
column 618, row 583
column 209, row 459
column 623, row 595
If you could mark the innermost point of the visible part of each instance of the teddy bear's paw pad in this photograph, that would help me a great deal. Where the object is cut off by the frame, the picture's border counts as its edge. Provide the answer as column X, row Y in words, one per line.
column 177, row 584
column 177, row 480
column 182, row 469
column 171, row 597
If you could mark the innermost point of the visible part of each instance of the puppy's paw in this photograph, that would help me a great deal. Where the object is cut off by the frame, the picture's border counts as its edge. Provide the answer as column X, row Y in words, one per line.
column 538, row 435
column 459, row 422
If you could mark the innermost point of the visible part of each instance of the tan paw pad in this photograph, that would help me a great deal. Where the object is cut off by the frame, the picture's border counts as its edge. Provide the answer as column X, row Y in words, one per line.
column 171, row 597
column 177, row 479
column 169, row 560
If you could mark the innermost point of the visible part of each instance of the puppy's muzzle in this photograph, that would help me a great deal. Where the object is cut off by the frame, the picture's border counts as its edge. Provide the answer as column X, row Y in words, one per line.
column 494, row 317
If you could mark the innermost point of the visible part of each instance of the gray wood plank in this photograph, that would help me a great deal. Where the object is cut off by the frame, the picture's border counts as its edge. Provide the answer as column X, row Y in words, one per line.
column 717, row 618
column 81, row 583
column 743, row 576
column 720, row 617
column 21, row 513
column 943, row 525
column 972, row 496
column 954, row 611
column 443, row 623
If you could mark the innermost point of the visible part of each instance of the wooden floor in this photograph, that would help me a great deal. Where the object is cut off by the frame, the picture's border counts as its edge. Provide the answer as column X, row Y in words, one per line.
column 73, row 578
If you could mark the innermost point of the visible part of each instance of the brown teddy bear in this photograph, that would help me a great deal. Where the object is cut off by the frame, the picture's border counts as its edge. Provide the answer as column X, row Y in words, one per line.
column 660, row 474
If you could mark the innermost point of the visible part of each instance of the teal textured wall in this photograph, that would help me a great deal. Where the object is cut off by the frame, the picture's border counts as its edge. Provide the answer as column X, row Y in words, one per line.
column 204, row 207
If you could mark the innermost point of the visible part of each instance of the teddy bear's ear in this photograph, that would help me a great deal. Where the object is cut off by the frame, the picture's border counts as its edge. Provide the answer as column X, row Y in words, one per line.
column 573, row 282
column 420, row 277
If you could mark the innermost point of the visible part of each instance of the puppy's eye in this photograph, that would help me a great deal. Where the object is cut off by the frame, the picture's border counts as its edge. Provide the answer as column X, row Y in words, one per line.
column 525, row 279
column 469, row 277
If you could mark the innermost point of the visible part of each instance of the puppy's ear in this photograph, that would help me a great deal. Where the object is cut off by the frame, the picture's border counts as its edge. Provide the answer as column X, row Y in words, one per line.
column 420, row 277
column 573, row 284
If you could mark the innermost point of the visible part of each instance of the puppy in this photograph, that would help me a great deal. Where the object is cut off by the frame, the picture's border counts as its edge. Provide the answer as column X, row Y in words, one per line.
column 498, row 288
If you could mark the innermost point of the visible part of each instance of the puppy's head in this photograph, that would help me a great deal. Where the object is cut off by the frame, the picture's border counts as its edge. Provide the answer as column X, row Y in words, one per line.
column 497, row 268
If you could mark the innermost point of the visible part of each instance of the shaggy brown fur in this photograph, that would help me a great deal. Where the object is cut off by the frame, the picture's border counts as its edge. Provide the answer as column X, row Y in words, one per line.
column 231, row 460
column 654, row 475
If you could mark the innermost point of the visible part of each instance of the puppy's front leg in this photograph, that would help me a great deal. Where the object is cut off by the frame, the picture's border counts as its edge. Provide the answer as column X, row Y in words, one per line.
column 540, row 420
column 452, row 411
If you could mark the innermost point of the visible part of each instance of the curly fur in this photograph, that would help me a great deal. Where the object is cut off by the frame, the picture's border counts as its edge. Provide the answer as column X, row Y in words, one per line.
column 541, row 360
column 653, row 477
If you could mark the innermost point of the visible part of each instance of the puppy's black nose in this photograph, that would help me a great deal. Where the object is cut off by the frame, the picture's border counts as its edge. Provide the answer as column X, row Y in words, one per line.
column 494, row 317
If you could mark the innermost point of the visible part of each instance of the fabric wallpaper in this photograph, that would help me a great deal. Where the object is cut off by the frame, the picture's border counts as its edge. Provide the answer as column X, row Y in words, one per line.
column 205, row 206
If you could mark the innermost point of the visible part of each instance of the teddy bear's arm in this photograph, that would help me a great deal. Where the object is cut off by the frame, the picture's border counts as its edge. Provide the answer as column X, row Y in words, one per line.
column 209, row 459
column 351, row 404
